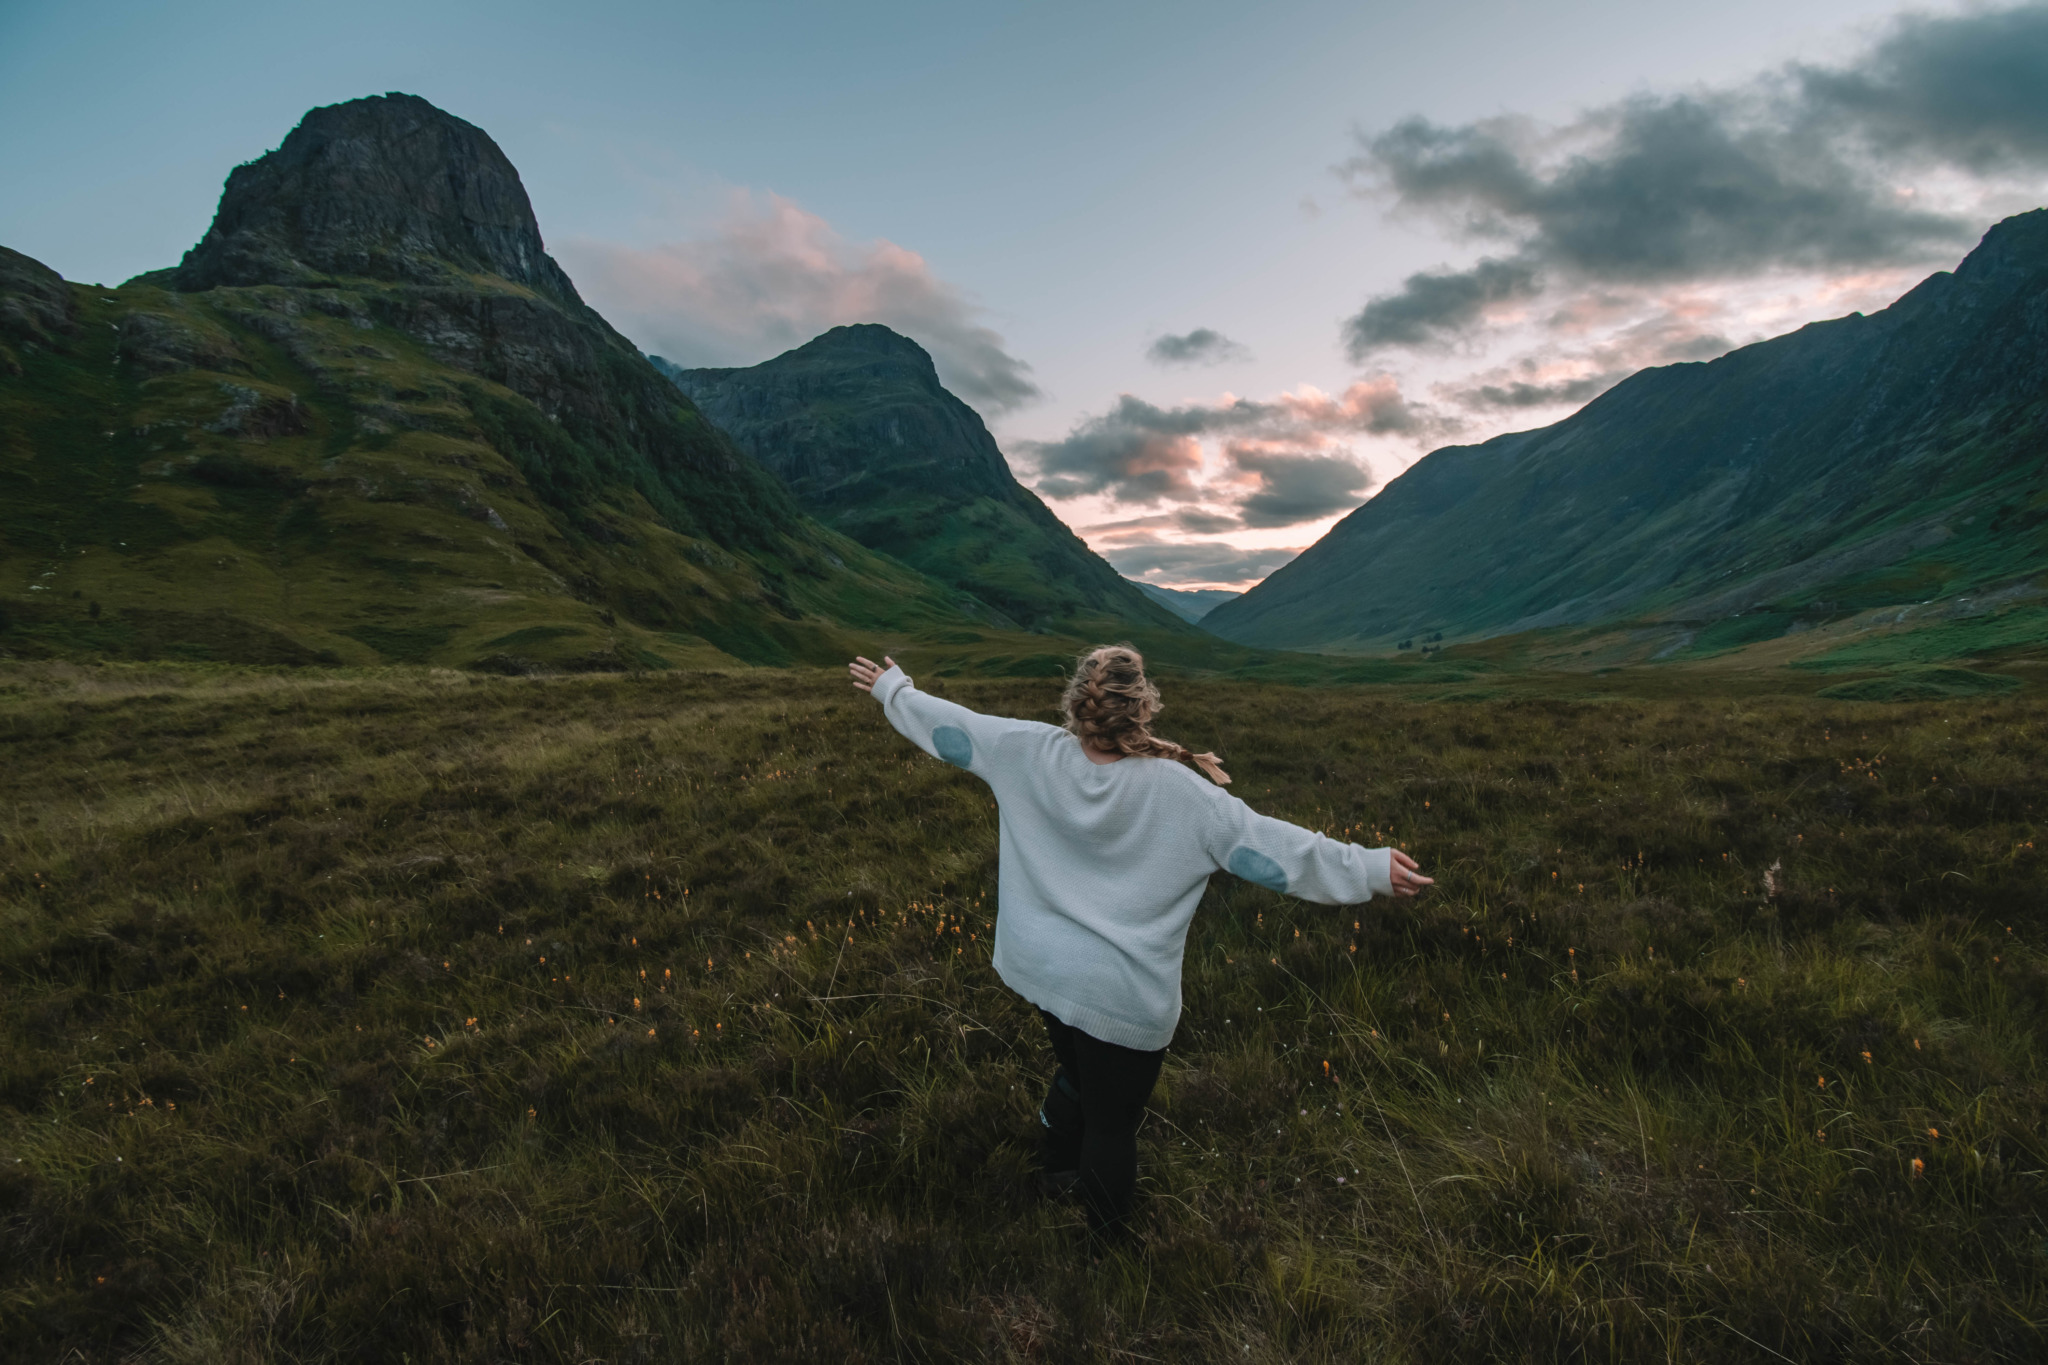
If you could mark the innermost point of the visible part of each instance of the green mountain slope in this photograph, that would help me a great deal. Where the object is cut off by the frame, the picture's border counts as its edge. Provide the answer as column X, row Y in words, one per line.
column 866, row 438
column 368, row 418
column 1856, row 463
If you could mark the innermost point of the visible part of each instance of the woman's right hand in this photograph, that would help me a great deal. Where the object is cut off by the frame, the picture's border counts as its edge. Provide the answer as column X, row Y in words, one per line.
column 1408, row 878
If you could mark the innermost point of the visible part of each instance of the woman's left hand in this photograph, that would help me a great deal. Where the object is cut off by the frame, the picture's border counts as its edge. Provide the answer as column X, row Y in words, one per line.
column 865, row 671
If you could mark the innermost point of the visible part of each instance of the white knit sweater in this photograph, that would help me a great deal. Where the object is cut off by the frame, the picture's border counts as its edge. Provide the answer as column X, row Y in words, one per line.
column 1102, row 864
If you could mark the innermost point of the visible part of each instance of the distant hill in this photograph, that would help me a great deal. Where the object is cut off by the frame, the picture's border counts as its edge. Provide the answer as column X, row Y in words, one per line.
column 1852, row 464
column 1190, row 606
column 867, row 440
column 368, row 418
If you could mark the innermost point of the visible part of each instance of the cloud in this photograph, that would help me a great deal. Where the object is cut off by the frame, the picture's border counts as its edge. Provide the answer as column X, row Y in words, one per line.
column 1374, row 407
column 1197, row 562
column 1135, row 452
column 772, row 275
column 1284, row 460
column 1198, row 520
column 1970, row 90
column 1800, row 169
column 1433, row 308
column 1678, row 329
column 1294, row 488
column 1203, row 346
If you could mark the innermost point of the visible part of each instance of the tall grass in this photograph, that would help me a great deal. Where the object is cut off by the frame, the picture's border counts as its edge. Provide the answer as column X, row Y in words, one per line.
column 424, row 1016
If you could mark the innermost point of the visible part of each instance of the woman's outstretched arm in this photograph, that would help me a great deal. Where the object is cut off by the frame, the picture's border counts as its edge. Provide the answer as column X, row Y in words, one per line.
column 1285, row 857
column 943, row 729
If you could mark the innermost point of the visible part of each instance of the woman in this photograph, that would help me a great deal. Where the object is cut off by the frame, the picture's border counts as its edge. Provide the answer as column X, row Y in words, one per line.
column 1107, row 842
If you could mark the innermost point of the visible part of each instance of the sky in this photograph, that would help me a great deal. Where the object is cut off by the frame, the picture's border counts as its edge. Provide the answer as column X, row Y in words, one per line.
column 1213, row 273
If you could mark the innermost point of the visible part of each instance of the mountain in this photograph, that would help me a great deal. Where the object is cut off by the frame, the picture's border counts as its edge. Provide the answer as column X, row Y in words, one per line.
column 1852, row 464
column 867, row 440
column 368, row 418
column 1189, row 606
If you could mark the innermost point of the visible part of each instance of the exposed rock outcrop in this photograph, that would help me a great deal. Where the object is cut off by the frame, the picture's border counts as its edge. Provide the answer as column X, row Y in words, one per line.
column 35, row 307
column 387, row 188
column 391, row 212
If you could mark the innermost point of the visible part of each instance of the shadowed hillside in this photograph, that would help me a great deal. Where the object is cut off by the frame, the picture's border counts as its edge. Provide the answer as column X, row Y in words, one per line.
column 1864, row 462
column 868, row 441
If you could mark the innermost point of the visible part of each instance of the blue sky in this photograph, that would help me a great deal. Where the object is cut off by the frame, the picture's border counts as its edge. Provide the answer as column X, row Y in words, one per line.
column 1044, row 194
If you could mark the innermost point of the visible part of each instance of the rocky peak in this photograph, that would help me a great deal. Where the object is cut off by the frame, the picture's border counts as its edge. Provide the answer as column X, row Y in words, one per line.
column 865, row 339
column 388, row 187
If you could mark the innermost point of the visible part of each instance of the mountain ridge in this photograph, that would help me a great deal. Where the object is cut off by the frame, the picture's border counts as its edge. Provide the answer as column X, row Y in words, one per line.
column 1838, row 467
column 859, row 428
column 337, row 431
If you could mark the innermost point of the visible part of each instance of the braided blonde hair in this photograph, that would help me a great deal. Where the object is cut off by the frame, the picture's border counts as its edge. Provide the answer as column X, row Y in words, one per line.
column 1109, row 705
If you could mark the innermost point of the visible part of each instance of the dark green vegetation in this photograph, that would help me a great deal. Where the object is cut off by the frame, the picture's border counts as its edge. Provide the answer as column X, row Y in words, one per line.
column 858, row 426
column 1863, row 463
column 442, row 1017
column 367, row 419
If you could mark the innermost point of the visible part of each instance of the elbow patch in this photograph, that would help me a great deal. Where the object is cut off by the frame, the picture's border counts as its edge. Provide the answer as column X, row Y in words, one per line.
column 953, row 745
column 1257, row 868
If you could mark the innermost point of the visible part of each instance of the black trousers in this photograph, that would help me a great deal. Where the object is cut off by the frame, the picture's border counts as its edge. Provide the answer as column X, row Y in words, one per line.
column 1090, row 1119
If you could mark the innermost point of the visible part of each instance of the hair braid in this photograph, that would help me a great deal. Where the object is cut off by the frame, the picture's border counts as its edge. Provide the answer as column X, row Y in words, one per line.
column 1109, row 705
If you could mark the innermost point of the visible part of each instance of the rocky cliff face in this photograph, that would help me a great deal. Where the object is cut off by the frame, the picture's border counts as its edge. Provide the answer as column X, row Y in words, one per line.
column 368, row 417
column 390, row 212
column 861, row 431
column 1854, row 463
column 387, row 188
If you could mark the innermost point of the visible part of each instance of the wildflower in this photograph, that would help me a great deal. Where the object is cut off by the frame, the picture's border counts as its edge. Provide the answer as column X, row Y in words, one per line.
column 1934, row 1132
column 1916, row 1045
column 650, row 1033
column 636, row 1002
column 1822, row 1081
column 1919, row 1168
column 1866, row 1057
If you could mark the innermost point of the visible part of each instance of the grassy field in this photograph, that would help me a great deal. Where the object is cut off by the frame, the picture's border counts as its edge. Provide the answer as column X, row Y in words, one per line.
column 426, row 1016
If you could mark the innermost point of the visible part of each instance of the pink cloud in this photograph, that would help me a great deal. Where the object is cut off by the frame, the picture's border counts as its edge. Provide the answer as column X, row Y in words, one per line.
column 771, row 276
